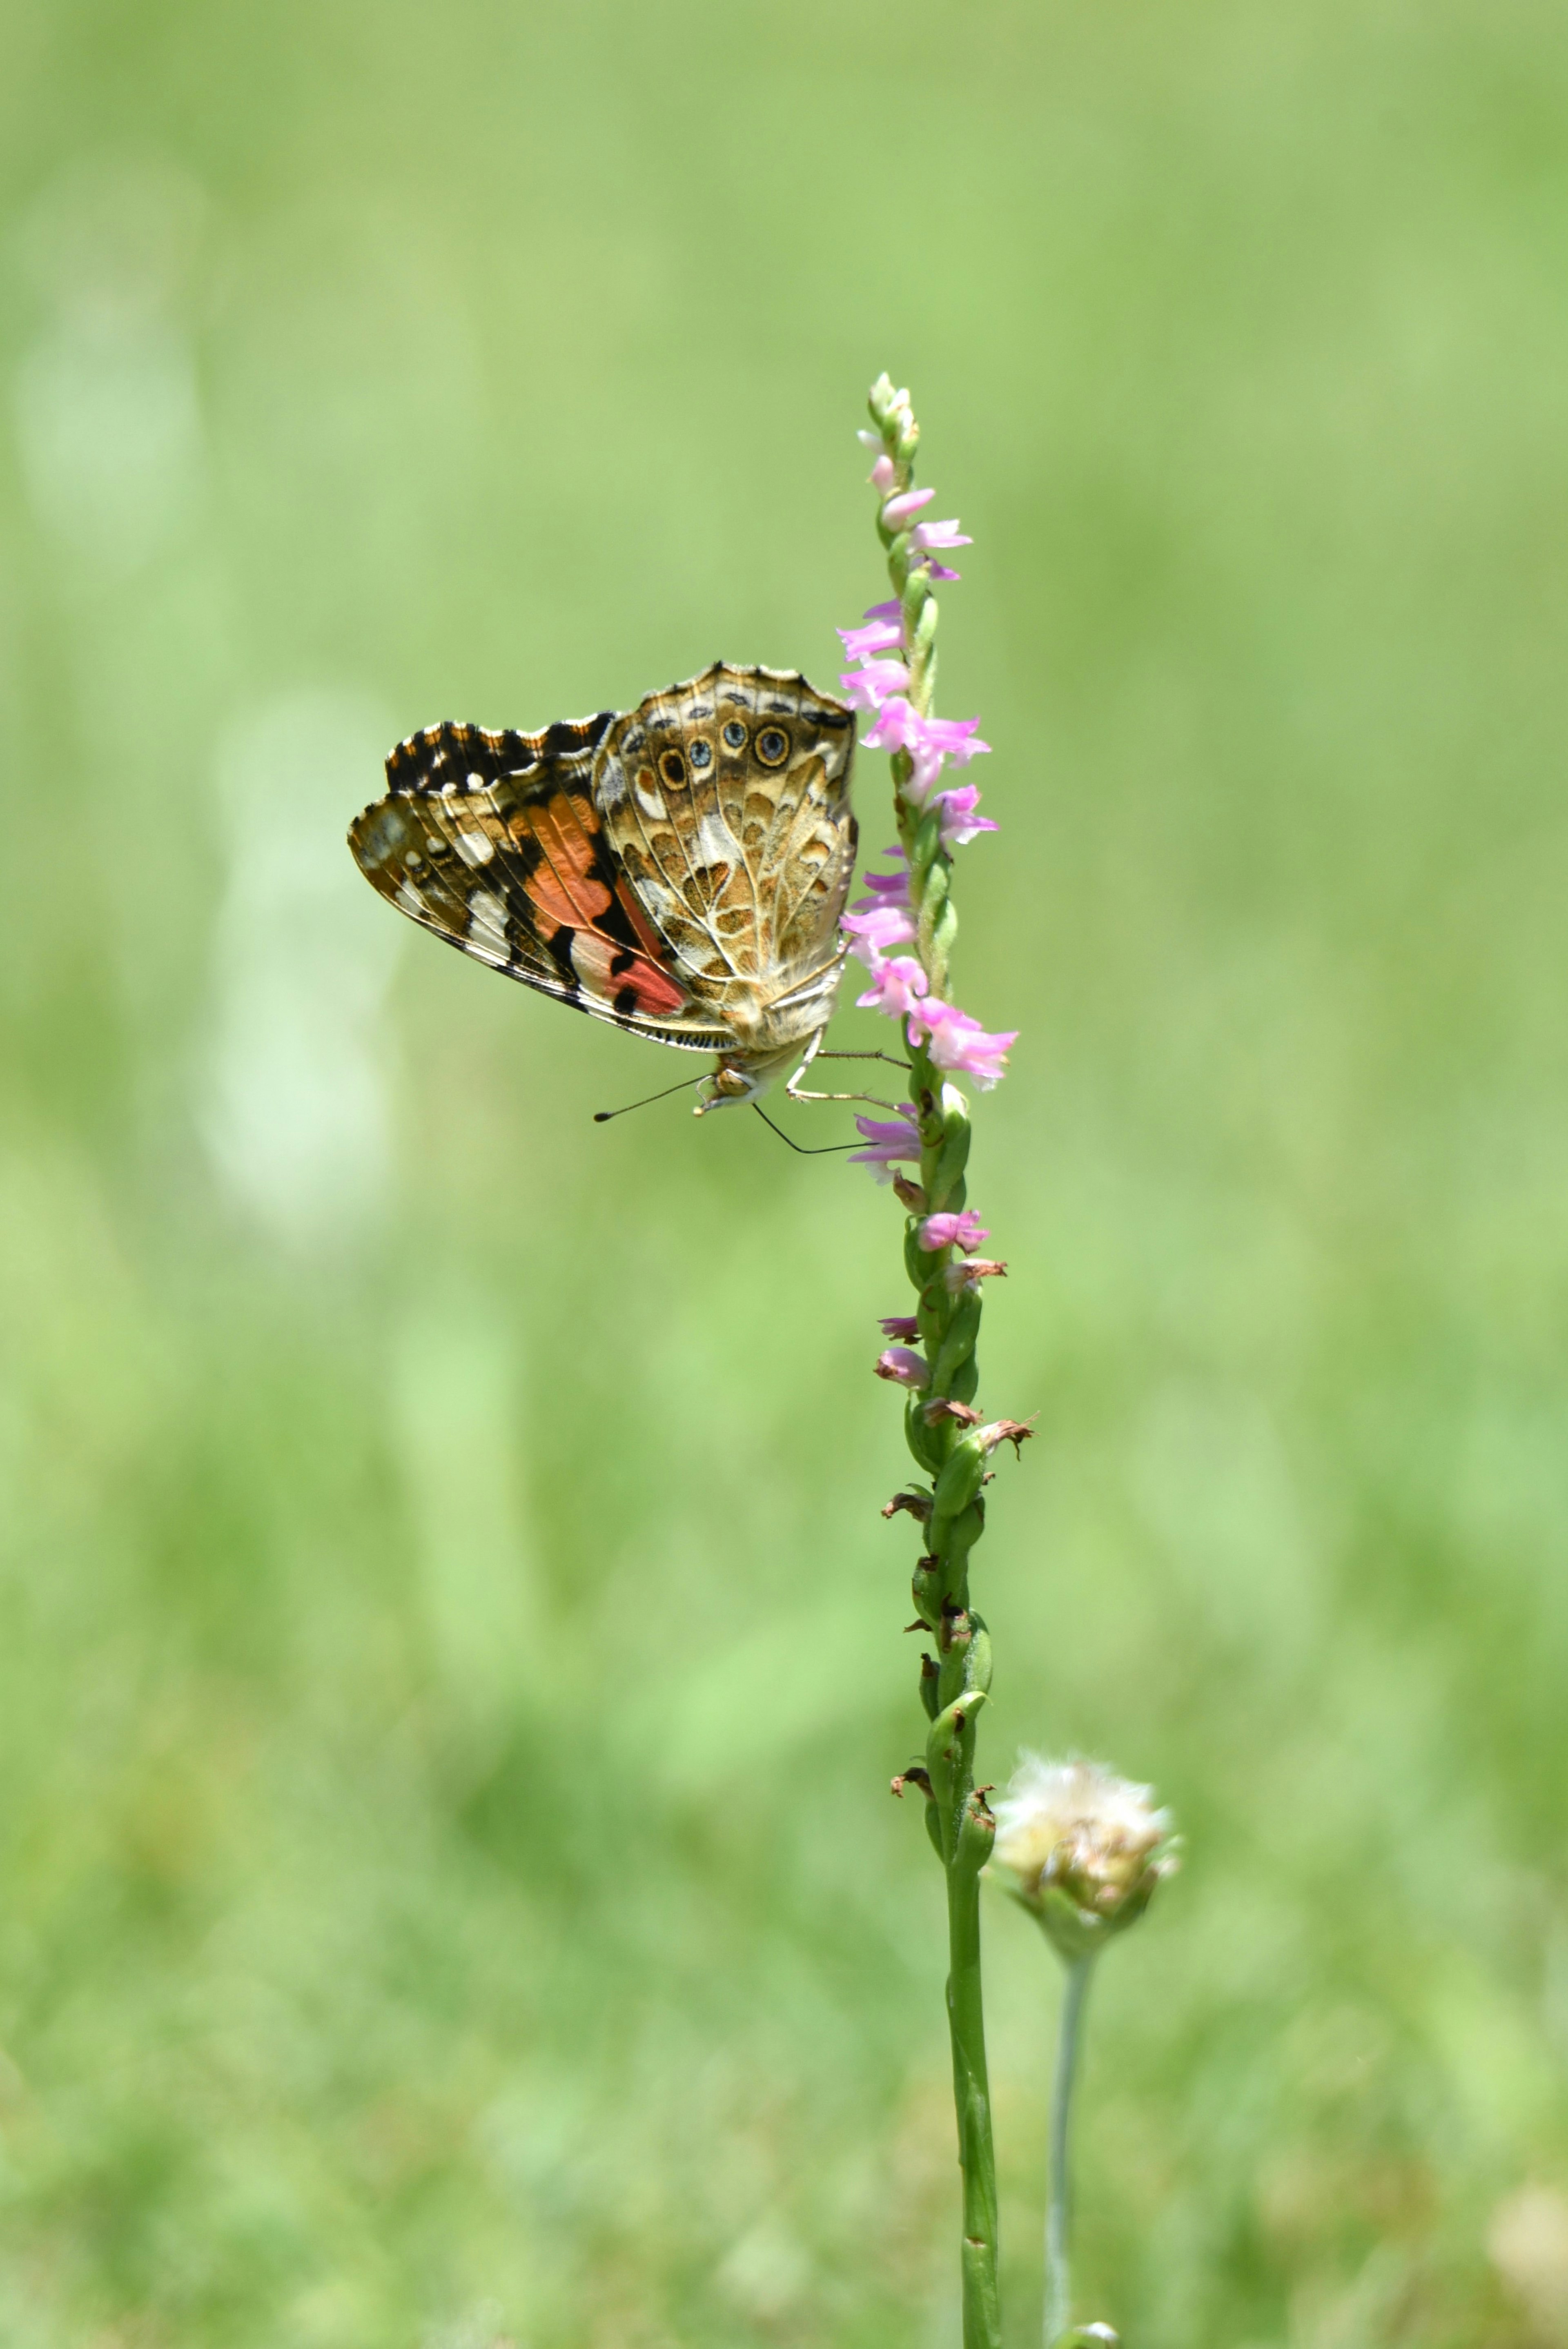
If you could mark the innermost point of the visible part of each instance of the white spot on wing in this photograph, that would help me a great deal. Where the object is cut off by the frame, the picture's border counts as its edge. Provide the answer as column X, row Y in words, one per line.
column 612, row 788
column 487, row 922
column 715, row 844
column 475, row 847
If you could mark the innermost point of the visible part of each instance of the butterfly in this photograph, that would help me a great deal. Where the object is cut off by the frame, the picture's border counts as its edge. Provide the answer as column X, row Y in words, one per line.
column 678, row 869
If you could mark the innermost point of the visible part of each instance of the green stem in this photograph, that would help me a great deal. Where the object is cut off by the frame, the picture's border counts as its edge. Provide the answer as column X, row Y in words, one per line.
column 1058, row 2279
column 955, row 1681
column 971, row 2096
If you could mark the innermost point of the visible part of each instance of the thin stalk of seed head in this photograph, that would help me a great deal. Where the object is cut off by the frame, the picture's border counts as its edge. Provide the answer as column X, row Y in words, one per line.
column 1059, row 2181
column 954, row 1691
column 1083, row 1850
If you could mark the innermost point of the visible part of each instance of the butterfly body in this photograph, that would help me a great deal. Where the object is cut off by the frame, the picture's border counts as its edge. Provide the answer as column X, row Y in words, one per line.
column 678, row 869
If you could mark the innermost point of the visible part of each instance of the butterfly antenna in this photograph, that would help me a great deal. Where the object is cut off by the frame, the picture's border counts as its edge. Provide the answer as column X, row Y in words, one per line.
column 821, row 1150
column 603, row 1116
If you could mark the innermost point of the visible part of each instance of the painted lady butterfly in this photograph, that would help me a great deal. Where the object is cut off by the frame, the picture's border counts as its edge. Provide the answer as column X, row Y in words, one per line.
column 679, row 869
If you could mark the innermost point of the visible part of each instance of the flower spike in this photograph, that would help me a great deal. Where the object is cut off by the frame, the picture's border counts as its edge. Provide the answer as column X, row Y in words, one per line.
column 903, row 929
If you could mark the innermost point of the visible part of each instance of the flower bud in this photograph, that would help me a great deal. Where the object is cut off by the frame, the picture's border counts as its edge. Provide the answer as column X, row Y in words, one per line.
column 1081, row 1849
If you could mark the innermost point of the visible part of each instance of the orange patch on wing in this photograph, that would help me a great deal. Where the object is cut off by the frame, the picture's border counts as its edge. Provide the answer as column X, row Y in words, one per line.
column 561, row 887
column 651, row 989
column 655, row 989
column 637, row 917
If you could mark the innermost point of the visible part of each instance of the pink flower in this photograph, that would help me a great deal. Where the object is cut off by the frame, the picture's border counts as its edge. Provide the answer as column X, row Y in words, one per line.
column 964, row 1279
column 904, row 1367
column 884, row 475
column 926, row 765
column 887, row 888
column 900, row 1325
column 881, row 636
column 899, row 727
column 868, row 688
column 955, row 738
column 960, row 1231
column 960, row 823
column 960, row 1045
column 934, row 534
column 871, row 934
column 895, row 723
column 973, row 1054
column 940, row 571
column 930, row 742
column 899, row 510
column 891, row 610
column 890, row 1139
column 899, row 984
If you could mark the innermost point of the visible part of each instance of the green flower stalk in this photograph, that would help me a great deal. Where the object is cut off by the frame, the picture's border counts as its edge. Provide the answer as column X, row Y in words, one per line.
column 911, row 908
column 1084, row 1852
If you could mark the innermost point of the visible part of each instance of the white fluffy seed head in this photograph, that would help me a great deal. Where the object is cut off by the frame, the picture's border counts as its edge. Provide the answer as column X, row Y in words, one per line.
column 1081, row 1849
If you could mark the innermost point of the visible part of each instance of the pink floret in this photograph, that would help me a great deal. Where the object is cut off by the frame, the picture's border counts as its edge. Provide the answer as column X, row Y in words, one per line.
column 901, row 510
column 896, row 723
column 960, row 823
column 887, row 888
column 963, row 1230
column 879, row 637
column 868, row 688
column 960, row 1046
column 938, row 534
column 872, row 935
column 890, row 1139
column 898, row 984
column 955, row 738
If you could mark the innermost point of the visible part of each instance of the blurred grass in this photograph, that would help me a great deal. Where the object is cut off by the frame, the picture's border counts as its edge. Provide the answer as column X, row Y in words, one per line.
column 448, row 1657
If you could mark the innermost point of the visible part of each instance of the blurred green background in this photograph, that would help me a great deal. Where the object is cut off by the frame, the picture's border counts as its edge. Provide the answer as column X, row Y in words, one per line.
column 449, row 1655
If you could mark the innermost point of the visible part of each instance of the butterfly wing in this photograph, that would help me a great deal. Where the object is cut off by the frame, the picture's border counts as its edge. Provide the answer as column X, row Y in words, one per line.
column 726, row 804
column 494, row 842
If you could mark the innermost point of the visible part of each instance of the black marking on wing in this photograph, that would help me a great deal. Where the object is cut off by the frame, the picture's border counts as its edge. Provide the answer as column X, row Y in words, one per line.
column 442, row 757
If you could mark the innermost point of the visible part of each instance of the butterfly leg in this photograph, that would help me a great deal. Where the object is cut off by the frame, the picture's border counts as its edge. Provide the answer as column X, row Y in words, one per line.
column 792, row 1093
column 813, row 1051
column 892, row 1064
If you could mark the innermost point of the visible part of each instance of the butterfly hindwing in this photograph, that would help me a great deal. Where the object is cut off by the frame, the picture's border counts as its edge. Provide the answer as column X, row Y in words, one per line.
column 494, row 842
column 725, row 801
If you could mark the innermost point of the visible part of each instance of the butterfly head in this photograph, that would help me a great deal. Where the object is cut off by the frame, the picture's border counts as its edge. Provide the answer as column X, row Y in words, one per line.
column 743, row 1077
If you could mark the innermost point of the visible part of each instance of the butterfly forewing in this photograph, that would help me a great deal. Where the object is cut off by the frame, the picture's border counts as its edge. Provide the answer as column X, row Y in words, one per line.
column 491, row 840
column 680, row 870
